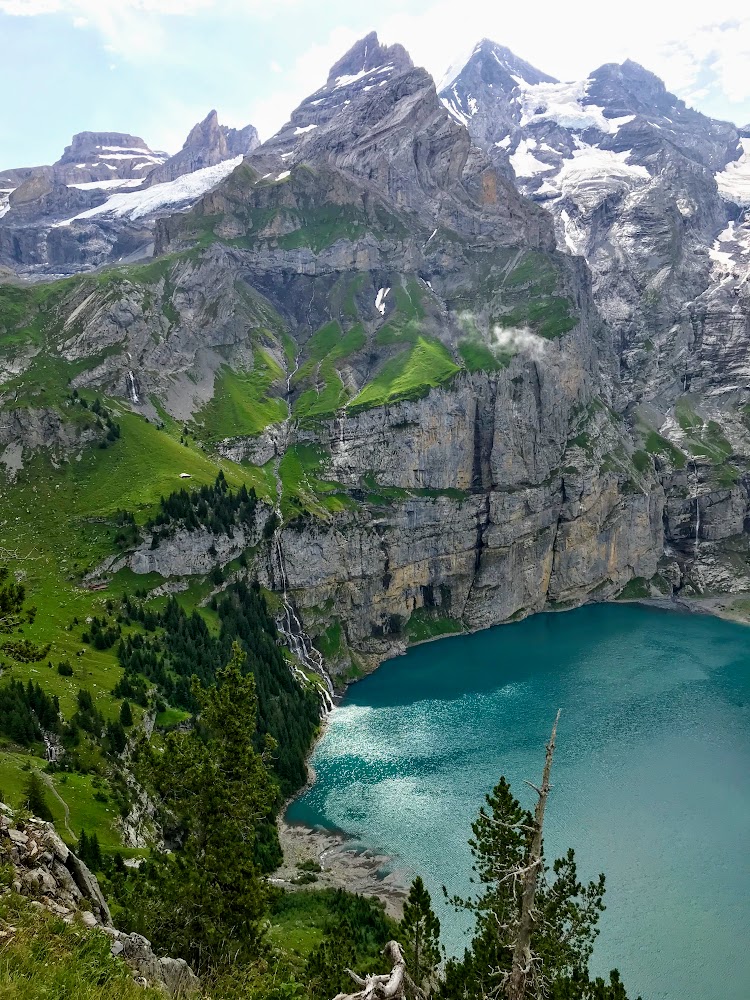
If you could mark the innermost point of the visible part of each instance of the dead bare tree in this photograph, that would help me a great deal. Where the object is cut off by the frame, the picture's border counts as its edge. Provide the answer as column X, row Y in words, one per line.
column 383, row 987
column 522, row 968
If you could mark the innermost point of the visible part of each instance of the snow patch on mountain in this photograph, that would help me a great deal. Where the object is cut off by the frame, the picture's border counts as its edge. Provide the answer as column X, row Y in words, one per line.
column 730, row 252
column 592, row 173
column 453, row 106
column 348, row 80
column 734, row 180
column 524, row 163
column 458, row 64
column 5, row 194
column 111, row 185
column 565, row 104
column 136, row 204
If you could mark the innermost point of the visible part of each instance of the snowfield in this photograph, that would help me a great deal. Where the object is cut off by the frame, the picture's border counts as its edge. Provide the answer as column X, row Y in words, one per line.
column 734, row 180
column 591, row 174
column 5, row 194
column 564, row 104
column 136, row 204
column 112, row 185
column 523, row 161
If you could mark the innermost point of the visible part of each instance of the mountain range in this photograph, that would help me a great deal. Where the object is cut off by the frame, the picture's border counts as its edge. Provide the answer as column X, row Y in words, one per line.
column 481, row 351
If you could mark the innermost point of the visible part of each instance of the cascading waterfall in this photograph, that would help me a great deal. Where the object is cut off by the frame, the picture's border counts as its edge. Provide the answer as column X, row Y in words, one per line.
column 293, row 630
column 697, row 512
column 131, row 383
column 290, row 626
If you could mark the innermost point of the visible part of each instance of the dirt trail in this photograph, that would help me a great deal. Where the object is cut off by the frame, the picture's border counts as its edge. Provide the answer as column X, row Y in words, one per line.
column 51, row 785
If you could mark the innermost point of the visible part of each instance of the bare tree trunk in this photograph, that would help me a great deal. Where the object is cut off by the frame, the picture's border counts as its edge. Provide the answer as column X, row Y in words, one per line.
column 523, row 959
column 390, row 987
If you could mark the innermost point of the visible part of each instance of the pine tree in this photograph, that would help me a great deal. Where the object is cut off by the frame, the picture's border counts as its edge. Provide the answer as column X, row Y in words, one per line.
column 126, row 715
column 34, row 798
column 420, row 934
column 207, row 902
column 565, row 914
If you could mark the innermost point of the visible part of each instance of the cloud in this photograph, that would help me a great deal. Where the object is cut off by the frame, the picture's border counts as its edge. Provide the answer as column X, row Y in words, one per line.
column 504, row 339
column 519, row 340
column 136, row 28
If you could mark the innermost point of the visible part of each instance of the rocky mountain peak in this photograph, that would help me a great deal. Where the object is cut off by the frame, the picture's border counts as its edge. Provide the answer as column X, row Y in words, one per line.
column 493, row 65
column 88, row 146
column 365, row 56
column 208, row 143
column 205, row 133
column 367, row 66
column 105, row 156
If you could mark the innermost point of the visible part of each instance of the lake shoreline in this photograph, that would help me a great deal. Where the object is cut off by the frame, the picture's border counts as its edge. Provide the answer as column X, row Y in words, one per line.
column 344, row 864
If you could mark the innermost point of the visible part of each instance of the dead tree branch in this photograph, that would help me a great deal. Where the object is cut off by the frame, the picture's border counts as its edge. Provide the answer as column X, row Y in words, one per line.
column 523, row 959
column 390, row 987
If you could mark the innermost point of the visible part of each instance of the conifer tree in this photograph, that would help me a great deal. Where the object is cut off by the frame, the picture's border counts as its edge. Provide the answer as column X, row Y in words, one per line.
column 126, row 715
column 34, row 798
column 534, row 927
column 420, row 934
column 206, row 902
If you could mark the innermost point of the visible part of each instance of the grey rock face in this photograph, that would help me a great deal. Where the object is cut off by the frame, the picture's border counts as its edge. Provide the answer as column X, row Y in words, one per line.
column 207, row 144
column 45, row 870
column 366, row 66
column 105, row 156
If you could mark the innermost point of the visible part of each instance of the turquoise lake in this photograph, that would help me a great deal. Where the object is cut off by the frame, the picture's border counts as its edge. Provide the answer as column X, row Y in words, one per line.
column 651, row 776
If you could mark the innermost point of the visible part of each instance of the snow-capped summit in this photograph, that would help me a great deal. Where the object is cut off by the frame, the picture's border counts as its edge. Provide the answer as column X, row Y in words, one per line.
column 483, row 88
column 365, row 57
column 494, row 64
column 105, row 156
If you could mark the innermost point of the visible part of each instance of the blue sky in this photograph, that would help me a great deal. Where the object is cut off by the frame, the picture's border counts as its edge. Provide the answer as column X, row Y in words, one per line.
column 155, row 67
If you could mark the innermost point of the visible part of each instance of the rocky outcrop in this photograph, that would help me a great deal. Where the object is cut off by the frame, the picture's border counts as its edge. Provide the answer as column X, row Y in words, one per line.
column 49, row 874
column 29, row 430
column 190, row 553
column 207, row 144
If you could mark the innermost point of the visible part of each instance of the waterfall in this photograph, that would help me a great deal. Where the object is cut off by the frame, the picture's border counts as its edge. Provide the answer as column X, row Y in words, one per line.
column 293, row 631
column 131, row 384
column 290, row 625
column 697, row 512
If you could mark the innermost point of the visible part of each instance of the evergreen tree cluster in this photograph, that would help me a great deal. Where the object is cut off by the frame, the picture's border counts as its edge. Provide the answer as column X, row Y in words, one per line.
column 127, row 529
column 104, row 419
column 207, row 901
column 89, row 851
column 180, row 647
column 34, row 798
column 105, row 422
column 14, row 614
column 87, row 716
column 214, row 507
column 25, row 710
column 101, row 634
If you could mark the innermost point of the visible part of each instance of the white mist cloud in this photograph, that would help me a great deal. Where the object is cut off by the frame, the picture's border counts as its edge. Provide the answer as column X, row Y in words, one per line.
column 519, row 340
column 504, row 339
